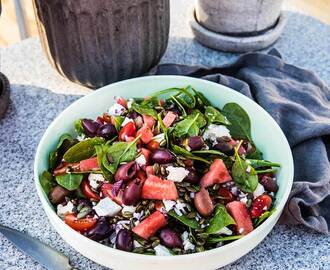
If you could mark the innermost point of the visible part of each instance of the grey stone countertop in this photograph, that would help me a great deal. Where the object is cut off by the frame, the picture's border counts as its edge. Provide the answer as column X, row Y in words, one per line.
column 39, row 94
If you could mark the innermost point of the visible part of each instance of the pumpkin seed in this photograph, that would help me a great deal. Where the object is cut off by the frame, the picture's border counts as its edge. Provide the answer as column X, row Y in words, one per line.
column 155, row 243
column 200, row 248
column 127, row 214
column 138, row 250
column 84, row 212
column 191, row 215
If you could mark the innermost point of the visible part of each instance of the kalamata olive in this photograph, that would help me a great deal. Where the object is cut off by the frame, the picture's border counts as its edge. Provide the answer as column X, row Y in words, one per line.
column 107, row 131
column 192, row 177
column 126, row 172
column 269, row 183
column 195, row 143
column 90, row 127
column 102, row 230
column 170, row 238
column 132, row 192
column 58, row 194
column 124, row 240
column 162, row 156
column 132, row 115
column 203, row 203
column 224, row 145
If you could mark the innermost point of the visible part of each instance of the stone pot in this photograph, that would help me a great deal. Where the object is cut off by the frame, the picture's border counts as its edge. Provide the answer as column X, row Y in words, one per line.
column 98, row 42
column 234, row 17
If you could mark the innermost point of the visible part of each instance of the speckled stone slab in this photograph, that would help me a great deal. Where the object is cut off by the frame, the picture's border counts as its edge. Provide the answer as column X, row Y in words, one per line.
column 39, row 94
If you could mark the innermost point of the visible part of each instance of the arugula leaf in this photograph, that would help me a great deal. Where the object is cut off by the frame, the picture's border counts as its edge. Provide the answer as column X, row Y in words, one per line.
column 185, row 153
column 82, row 150
column 46, row 181
column 214, row 240
column 117, row 153
column 69, row 181
column 256, row 163
column 187, row 127
column 182, row 109
column 220, row 219
column 79, row 127
column 266, row 171
column 191, row 223
column 201, row 99
column 240, row 124
column 244, row 175
column 214, row 116
column 118, row 121
column 263, row 217
column 144, row 109
column 209, row 152
column 64, row 143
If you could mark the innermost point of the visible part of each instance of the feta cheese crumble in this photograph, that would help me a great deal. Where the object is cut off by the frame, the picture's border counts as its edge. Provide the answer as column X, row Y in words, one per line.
column 258, row 191
column 141, row 160
column 169, row 205
column 107, row 208
column 116, row 109
column 128, row 208
column 95, row 180
column 187, row 245
column 159, row 138
column 129, row 103
column 176, row 174
column 67, row 209
column 81, row 137
column 215, row 131
column 126, row 121
column 162, row 251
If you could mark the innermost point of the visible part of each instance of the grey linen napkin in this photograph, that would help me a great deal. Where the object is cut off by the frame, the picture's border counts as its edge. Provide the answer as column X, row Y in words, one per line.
column 299, row 101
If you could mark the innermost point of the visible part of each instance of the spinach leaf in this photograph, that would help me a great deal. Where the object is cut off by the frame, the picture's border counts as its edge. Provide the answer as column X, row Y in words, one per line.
column 64, row 143
column 201, row 121
column 240, row 124
column 79, row 127
column 186, row 127
column 213, row 240
column 209, row 152
column 69, row 181
column 118, row 121
column 201, row 99
column 101, row 151
column 144, row 109
column 182, row 109
column 46, row 181
column 263, row 217
column 214, row 116
column 244, row 175
column 191, row 223
column 266, row 171
column 256, row 154
column 185, row 153
column 220, row 219
column 117, row 153
column 256, row 163
column 82, row 150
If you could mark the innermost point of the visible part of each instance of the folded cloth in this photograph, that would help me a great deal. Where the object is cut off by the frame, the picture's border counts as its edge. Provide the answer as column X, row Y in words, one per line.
column 299, row 101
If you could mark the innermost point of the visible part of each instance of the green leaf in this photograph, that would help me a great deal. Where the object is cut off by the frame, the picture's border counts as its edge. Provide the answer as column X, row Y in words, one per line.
column 182, row 109
column 266, row 171
column 191, row 223
column 257, row 163
column 82, row 150
column 220, row 219
column 79, row 127
column 117, row 153
column 185, row 153
column 144, row 109
column 201, row 121
column 46, row 181
column 64, row 143
column 263, row 217
column 214, row 116
column 240, row 124
column 256, row 154
column 201, row 99
column 118, row 121
column 187, row 127
column 70, row 181
column 213, row 240
column 209, row 152
column 246, row 179
column 101, row 151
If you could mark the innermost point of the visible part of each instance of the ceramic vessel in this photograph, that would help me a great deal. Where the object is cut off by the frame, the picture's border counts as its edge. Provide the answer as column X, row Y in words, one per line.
column 98, row 42
column 262, row 124
column 238, row 16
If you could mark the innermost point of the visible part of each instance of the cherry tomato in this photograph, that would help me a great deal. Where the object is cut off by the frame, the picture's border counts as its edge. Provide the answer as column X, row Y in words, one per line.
column 129, row 130
column 80, row 225
column 153, row 145
column 122, row 102
column 88, row 192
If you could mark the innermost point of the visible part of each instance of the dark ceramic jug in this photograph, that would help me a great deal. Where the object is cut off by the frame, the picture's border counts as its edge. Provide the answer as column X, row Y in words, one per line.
column 97, row 42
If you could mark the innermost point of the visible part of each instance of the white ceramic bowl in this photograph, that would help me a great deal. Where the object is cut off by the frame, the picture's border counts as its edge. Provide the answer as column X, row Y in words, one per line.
column 265, row 132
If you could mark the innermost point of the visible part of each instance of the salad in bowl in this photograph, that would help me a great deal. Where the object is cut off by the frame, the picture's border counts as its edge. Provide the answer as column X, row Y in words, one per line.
column 168, row 174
